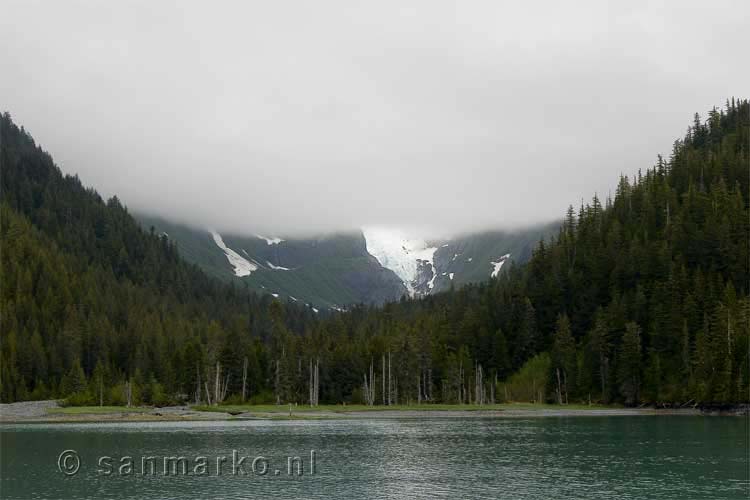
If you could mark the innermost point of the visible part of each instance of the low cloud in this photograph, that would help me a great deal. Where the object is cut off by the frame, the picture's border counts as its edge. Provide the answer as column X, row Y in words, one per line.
column 301, row 117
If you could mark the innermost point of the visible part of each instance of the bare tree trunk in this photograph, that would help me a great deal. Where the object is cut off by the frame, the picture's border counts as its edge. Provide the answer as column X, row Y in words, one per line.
column 429, row 384
column 216, row 384
column 310, row 384
column 383, row 381
column 390, row 390
column 278, row 381
column 317, row 381
column 101, row 390
column 128, row 393
column 198, row 387
column 478, row 396
column 419, row 388
column 244, row 379
column 481, row 385
column 225, row 388
column 208, row 393
column 461, row 383
column 372, row 383
column 559, row 387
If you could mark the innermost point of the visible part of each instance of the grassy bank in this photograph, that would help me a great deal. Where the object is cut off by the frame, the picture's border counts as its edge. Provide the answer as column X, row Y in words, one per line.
column 97, row 410
column 238, row 409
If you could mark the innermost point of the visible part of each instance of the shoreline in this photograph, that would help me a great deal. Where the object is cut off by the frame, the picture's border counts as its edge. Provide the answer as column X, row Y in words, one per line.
column 53, row 412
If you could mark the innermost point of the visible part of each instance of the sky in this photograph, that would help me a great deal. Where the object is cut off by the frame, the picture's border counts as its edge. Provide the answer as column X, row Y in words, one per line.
column 305, row 117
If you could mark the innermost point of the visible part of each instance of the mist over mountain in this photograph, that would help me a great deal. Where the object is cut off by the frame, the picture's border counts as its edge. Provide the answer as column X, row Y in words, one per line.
column 373, row 265
column 455, row 118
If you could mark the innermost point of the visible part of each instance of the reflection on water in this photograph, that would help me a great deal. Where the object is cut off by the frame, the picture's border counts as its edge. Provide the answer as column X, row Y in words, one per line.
column 564, row 458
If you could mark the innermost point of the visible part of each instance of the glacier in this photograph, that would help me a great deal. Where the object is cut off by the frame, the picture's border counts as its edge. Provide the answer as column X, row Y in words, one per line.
column 401, row 254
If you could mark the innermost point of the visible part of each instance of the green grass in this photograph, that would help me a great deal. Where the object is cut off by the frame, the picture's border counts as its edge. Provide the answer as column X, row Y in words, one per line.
column 88, row 410
column 284, row 409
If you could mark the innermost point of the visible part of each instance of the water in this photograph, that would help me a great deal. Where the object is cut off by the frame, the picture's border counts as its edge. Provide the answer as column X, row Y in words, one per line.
column 646, row 457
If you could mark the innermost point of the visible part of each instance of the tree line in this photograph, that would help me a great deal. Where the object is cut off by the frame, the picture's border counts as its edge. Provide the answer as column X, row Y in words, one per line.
column 640, row 298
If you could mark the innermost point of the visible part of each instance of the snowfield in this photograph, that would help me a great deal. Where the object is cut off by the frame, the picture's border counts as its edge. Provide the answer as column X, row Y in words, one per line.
column 242, row 267
column 496, row 266
column 395, row 251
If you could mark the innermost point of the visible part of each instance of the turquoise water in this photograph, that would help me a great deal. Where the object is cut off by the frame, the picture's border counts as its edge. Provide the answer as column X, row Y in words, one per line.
column 660, row 457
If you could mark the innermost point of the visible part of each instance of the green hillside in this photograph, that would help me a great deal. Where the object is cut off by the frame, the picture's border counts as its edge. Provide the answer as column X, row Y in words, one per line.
column 336, row 271
column 642, row 298
column 332, row 271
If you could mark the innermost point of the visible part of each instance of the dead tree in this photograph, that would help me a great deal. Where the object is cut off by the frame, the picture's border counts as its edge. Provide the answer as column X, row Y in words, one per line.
column 129, row 393
column 244, row 379
column 384, row 397
column 461, row 383
column 208, row 393
column 224, row 388
column 390, row 389
column 366, row 390
column 198, row 387
column 369, row 387
column 313, row 382
column 316, row 392
column 216, row 384
column 277, row 384
column 478, row 389
column 428, row 387
column 310, row 382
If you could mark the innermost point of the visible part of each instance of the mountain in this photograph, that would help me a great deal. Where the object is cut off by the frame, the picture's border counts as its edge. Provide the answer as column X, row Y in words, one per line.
column 331, row 271
column 640, row 299
column 334, row 271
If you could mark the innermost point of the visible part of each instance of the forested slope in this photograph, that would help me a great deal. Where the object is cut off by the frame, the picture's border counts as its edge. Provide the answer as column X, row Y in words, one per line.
column 640, row 298
column 86, row 293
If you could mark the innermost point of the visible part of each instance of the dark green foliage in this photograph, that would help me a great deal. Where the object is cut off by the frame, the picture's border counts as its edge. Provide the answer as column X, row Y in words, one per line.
column 640, row 298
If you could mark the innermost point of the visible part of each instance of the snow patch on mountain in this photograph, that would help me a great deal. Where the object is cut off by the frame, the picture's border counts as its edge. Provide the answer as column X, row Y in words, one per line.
column 270, row 241
column 496, row 266
column 277, row 268
column 401, row 254
column 242, row 267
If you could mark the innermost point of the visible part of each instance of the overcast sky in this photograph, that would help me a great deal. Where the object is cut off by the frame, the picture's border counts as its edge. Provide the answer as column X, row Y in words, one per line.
column 283, row 117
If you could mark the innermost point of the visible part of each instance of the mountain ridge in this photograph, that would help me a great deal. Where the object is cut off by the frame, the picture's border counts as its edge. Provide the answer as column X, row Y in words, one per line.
column 337, row 270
